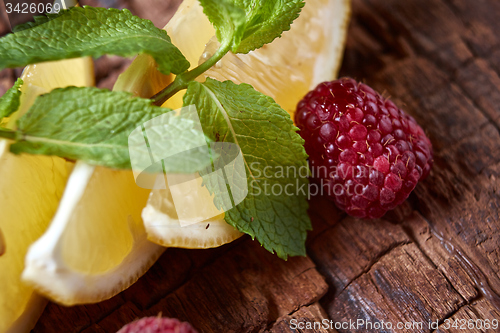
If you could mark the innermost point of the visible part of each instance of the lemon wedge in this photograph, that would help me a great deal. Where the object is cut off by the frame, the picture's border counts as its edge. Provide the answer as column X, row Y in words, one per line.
column 96, row 245
column 29, row 194
column 286, row 69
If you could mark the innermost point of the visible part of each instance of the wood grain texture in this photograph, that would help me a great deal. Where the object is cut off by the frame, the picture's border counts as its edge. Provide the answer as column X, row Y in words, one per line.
column 237, row 288
column 308, row 319
column 435, row 258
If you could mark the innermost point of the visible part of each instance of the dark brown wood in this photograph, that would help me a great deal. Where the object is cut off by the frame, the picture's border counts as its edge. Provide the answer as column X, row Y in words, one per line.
column 435, row 259
column 308, row 319
column 245, row 289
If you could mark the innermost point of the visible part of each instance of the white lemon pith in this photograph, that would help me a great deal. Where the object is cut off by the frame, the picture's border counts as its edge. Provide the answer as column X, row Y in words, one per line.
column 286, row 69
column 29, row 194
column 163, row 225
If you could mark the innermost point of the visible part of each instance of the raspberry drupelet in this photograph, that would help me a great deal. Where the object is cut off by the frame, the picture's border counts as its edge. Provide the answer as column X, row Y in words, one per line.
column 366, row 152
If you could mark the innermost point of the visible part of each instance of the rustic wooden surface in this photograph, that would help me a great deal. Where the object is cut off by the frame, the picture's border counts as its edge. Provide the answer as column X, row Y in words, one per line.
column 435, row 258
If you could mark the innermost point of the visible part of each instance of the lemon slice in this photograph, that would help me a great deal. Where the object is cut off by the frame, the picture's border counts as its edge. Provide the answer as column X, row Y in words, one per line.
column 29, row 194
column 163, row 226
column 96, row 245
column 160, row 216
column 308, row 54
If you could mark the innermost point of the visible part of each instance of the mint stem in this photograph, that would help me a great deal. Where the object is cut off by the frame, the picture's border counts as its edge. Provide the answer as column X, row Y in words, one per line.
column 9, row 134
column 181, row 81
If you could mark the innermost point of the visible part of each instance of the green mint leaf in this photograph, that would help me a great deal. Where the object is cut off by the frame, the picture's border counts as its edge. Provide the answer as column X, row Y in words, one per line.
column 228, row 19
column 9, row 102
column 250, row 24
column 270, row 146
column 89, row 31
column 37, row 20
column 95, row 125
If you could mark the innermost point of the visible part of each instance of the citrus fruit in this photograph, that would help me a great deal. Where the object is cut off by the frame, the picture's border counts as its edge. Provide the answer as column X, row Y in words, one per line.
column 160, row 216
column 286, row 69
column 30, row 191
column 96, row 245
column 163, row 225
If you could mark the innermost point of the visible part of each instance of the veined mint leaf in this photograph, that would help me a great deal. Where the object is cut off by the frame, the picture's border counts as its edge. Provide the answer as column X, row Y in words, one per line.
column 37, row 20
column 89, row 31
column 275, row 208
column 94, row 125
column 228, row 19
column 9, row 102
column 250, row 23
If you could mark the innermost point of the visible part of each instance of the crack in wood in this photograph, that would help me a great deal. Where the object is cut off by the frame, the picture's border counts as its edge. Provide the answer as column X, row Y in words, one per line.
column 474, row 272
column 374, row 261
column 453, row 313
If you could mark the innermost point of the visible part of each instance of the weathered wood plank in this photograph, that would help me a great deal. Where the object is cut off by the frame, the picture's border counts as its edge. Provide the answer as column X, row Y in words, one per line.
column 113, row 322
column 243, row 290
column 401, row 289
column 170, row 273
column 448, row 82
column 352, row 247
column 75, row 319
column 308, row 319
column 483, row 318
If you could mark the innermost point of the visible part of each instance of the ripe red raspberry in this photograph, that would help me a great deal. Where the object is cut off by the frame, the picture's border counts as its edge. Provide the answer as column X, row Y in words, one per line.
column 366, row 152
column 157, row 325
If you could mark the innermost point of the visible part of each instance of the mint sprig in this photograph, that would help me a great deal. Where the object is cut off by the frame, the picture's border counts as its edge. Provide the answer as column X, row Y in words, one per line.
column 275, row 208
column 93, row 125
column 9, row 102
column 89, row 31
